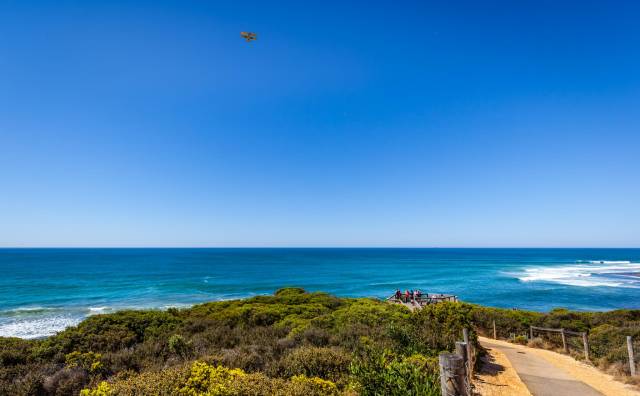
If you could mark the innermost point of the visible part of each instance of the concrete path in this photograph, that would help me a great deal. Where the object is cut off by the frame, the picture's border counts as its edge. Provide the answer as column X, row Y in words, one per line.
column 541, row 377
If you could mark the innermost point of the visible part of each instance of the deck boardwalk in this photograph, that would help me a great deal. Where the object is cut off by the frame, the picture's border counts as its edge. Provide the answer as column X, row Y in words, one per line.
column 425, row 299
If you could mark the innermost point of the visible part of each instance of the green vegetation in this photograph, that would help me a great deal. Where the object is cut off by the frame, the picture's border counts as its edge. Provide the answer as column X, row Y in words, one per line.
column 291, row 343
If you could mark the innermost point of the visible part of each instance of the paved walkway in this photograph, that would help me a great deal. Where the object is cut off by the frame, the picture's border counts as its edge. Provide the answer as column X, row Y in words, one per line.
column 541, row 377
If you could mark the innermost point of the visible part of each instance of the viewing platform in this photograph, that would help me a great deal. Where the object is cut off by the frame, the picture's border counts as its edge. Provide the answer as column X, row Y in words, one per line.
column 417, row 302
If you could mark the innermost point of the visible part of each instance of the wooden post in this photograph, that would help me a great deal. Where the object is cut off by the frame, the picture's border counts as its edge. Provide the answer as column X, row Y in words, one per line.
column 585, row 343
column 632, row 363
column 531, row 332
column 465, row 337
column 452, row 375
column 461, row 350
column 495, row 336
column 564, row 341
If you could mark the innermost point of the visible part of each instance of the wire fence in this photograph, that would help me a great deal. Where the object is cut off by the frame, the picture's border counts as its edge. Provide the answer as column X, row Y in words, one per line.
column 604, row 346
column 572, row 341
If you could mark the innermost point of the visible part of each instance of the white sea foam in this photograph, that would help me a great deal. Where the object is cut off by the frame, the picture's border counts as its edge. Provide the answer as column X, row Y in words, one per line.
column 586, row 274
column 98, row 310
column 29, row 309
column 37, row 322
column 176, row 305
column 37, row 327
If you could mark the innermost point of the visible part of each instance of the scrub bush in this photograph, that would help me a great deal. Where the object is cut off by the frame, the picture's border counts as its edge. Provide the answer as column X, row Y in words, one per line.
column 290, row 343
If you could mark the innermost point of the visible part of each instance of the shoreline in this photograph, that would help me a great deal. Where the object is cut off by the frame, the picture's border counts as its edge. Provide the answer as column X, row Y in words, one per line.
column 107, row 310
column 290, row 327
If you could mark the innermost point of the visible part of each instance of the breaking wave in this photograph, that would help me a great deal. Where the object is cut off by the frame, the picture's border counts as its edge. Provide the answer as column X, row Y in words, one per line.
column 38, row 322
column 591, row 273
column 37, row 327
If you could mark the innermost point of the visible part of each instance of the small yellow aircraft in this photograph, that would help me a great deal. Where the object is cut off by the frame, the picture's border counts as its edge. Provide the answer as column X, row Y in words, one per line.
column 249, row 36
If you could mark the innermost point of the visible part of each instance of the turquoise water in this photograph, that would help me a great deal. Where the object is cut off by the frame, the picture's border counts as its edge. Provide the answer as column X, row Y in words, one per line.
column 44, row 290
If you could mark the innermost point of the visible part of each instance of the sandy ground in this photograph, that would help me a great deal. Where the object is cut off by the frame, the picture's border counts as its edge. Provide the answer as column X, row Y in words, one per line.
column 585, row 373
column 498, row 378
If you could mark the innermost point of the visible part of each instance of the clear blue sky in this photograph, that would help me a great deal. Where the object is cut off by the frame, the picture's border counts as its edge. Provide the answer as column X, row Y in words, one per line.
column 512, row 123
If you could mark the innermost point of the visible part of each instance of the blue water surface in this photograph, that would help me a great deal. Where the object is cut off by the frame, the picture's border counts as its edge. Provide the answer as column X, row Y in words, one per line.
column 44, row 290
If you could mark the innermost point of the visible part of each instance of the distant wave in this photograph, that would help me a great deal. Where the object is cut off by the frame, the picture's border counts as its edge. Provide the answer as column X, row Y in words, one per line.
column 28, row 311
column 99, row 310
column 592, row 273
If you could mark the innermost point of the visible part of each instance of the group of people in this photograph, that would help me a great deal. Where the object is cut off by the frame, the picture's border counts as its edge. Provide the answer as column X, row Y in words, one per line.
column 408, row 296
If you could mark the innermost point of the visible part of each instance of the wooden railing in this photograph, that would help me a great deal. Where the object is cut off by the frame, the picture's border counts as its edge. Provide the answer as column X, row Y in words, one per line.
column 424, row 299
column 564, row 333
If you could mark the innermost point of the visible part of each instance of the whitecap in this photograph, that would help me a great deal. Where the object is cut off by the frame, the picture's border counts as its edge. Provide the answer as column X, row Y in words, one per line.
column 591, row 274
column 98, row 310
column 27, row 311
column 177, row 305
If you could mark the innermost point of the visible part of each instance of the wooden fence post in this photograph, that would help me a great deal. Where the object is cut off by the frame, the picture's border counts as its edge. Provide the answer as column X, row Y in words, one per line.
column 461, row 350
column 564, row 341
column 585, row 343
column 452, row 375
column 465, row 337
column 495, row 336
column 632, row 363
column 531, row 332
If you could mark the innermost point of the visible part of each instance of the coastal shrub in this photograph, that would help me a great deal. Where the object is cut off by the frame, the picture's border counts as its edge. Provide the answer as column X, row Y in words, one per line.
column 103, row 389
column 536, row 342
column 368, row 312
column 303, row 385
column 381, row 373
column 155, row 383
column 207, row 379
column 291, row 305
column 14, row 351
column 437, row 327
column 355, row 344
column 88, row 361
column 508, row 321
column 109, row 332
column 520, row 339
column 203, row 379
column 315, row 336
column 608, row 343
column 29, row 381
column 66, row 381
column 330, row 363
column 179, row 346
column 252, row 357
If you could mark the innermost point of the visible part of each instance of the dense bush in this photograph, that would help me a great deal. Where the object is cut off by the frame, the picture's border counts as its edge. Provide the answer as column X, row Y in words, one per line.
column 291, row 343
column 205, row 379
column 330, row 363
column 384, row 374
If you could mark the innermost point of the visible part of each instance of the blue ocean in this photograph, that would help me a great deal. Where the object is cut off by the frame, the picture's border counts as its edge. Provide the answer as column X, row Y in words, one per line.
column 42, row 291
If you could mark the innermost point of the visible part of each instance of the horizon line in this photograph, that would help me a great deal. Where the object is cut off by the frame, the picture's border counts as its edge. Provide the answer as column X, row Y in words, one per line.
column 319, row 247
